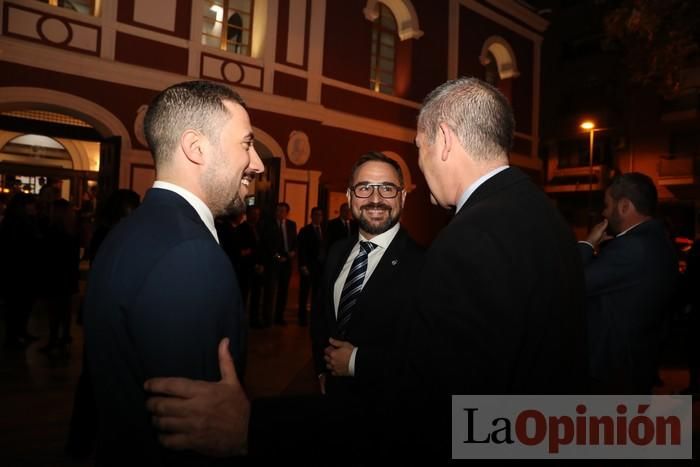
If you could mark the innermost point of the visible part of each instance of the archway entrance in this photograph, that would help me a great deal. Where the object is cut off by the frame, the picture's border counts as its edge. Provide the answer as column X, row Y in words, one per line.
column 39, row 148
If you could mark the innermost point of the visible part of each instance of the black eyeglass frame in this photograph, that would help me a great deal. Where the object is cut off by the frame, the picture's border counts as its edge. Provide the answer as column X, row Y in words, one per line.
column 374, row 186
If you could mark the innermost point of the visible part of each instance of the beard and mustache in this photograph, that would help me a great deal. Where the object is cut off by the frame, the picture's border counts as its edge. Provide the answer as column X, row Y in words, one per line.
column 376, row 229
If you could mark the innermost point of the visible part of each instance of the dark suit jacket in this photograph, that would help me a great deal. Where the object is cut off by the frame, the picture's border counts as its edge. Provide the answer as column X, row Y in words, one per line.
column 499, row 310
column 337, row 231
column 273, row 242
column 311, row 248
column 629, row 287
column 375, row 320
column 161, row 295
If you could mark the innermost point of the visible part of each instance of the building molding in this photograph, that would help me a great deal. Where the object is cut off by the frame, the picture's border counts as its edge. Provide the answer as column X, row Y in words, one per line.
column 404, row 13
column 506, row 61
column 290, row 70
column 23, row 53
column 106, row 124
column 453, row 40
column 317, row 31
column 370, row 93
column 500, row 19
column 525, row 15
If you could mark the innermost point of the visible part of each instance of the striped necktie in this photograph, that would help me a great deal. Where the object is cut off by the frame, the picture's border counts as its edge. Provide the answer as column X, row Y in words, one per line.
column 353, row 287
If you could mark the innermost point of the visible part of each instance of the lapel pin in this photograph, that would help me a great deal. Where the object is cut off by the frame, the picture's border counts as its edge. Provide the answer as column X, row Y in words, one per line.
column 394, row 262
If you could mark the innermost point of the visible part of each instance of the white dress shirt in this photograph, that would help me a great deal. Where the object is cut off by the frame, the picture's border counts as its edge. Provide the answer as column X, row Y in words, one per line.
column 382, row 242
column 202, row 210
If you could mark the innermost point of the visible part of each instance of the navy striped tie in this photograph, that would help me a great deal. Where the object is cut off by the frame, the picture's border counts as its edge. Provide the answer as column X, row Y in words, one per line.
column 353, row 287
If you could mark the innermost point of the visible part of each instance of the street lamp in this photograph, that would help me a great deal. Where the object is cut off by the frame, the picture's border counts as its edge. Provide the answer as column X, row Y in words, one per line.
column 589, row 126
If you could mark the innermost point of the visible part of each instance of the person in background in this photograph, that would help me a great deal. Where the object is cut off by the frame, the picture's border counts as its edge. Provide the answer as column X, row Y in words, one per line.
column 630, row 284
column 250, row 272
column 311, row 246
column 60, row 272
column 343, row 226
column 19, row 252
column 280, row 239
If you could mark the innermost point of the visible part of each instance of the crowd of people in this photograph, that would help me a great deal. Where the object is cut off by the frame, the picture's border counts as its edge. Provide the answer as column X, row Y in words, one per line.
column 504, row 300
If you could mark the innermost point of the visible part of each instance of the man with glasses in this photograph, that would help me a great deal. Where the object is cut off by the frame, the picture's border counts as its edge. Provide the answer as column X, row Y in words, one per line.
column 363, row 288
column 498, row 306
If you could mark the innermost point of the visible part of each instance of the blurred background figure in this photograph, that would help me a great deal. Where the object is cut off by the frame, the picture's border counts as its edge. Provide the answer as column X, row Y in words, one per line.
column 60, row 259
column 343, row 226
column 312, row 255
column 19, row 241
column 249, row 263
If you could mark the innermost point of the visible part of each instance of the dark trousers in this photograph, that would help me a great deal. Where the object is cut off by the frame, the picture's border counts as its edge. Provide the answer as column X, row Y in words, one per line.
column 17, row 311
column 59, row 308
column 277, row 277
column 251, row 284
column 308, row 284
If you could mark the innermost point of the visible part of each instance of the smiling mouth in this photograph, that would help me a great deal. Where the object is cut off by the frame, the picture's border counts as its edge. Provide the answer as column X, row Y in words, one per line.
column 247, row 178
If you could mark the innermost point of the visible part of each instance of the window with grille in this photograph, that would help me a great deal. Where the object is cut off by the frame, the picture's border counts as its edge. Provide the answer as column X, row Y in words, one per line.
column 227, row 25
column 87, row 7
column 383, row 59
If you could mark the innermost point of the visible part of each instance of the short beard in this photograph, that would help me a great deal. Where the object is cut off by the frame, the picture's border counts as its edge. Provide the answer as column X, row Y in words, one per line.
column 366, row 226
column 236, row 207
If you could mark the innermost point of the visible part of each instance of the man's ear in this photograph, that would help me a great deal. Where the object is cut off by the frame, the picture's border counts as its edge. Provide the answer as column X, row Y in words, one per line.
column 624, row 206
column 347, row 194
column 447, row 139
column 192, row 145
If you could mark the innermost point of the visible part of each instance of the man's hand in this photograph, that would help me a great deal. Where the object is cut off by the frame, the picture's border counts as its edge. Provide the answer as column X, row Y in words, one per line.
column 598, row 234
column 322, row 383
column 338, row 357
column 210, row 418
column 304, row 271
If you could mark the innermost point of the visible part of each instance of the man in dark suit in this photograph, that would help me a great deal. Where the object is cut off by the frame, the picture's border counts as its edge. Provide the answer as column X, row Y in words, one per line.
column 311, row 246
column 499, row 308
column 249, row 261
column 280, row 242
column 343, row 226
column 162, row 292
column 629, row 287
column 362, row 325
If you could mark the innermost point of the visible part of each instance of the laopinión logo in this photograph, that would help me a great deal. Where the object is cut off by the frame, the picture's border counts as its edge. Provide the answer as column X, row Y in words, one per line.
column 571, row 427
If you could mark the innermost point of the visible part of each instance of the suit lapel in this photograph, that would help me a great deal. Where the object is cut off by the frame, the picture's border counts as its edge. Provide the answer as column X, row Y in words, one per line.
column 386, row 267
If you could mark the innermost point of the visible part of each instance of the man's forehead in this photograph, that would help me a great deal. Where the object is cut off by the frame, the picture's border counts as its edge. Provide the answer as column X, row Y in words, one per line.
column 376, row 171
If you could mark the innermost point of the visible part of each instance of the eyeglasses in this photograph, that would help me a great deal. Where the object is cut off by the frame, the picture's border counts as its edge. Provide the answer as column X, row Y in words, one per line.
column 386, row 190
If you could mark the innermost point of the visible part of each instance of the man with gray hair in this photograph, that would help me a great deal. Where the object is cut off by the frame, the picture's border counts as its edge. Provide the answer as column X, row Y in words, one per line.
column 162, row 292
column 498, row 308
column 500, row 302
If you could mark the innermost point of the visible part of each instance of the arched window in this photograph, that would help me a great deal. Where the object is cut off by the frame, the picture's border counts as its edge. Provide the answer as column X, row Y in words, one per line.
column 87, row 7
column 228, row 24
column 383, row 57
column 500, row 66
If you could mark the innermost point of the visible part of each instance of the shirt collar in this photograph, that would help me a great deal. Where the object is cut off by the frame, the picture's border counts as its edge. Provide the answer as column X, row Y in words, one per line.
column 202, row 209
column 472, row 188
column 627, row 230
column 383, row 239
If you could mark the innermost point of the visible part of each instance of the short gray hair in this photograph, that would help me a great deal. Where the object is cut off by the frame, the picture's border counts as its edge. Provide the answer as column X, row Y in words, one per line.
column 477, row 112
column 197, row 105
